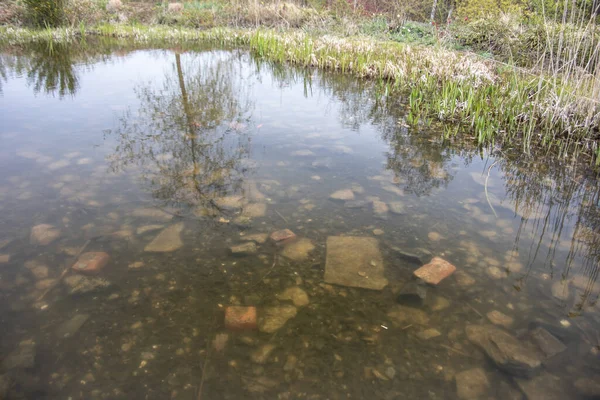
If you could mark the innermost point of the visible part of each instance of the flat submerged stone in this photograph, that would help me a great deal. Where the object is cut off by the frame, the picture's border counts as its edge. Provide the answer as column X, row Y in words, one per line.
column 168, row 240
column 72, row 326
column 471, row 384
column 298, row 250
column 354, row 261
column 507, row 352
column 544, row 387
column 342, row 195
column 401, row 316
column 44, row 234
column 437, row 270
column 272, row 319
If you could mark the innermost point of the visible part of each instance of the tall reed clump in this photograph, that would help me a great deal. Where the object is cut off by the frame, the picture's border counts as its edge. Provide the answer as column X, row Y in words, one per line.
column 44, row 13
column 499, row 104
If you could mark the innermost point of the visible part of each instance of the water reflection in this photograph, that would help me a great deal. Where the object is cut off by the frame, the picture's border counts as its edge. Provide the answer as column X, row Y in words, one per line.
column 190, row 135
column 557, row 207
column 49, row 68
column 523, row 235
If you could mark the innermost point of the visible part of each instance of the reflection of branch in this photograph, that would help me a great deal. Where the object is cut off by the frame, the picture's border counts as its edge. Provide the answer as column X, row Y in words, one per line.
column 486, row 186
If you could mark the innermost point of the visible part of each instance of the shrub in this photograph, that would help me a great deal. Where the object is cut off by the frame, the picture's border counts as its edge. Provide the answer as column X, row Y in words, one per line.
column 86, row 11
column 175, row 7
column 114, row 5
column 44, row 12
column 189, row 17
column 476, row 9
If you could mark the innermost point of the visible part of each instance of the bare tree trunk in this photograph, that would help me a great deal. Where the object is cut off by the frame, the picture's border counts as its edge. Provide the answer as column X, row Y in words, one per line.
column 431, row 19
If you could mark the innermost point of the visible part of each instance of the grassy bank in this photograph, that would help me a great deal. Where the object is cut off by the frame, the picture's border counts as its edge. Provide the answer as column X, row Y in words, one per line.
column 495, row 102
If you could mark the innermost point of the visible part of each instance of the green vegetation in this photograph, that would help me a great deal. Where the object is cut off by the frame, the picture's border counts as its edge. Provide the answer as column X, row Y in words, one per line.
column 506, row 72
column 44, row 12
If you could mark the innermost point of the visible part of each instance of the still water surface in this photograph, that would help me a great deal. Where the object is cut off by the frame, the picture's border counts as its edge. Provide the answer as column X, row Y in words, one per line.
column 208, row 150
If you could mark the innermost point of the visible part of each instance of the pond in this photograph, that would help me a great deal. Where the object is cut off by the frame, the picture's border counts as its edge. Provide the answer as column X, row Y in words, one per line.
column 195, row 223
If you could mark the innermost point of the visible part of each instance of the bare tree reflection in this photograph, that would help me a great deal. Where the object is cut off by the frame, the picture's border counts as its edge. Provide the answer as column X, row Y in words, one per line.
column 559, row 208
column 188, row 135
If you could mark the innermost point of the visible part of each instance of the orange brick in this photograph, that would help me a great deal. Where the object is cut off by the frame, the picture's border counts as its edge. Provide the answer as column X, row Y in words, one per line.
column 434, row 272
column 240, row 318
column 91, row 263
column 284, row 234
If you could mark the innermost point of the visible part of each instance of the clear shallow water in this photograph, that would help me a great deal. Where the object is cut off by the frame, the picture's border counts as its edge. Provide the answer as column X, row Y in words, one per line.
column 223, row 146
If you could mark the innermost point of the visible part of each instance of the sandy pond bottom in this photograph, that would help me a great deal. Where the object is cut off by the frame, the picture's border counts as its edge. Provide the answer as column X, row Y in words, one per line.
column 248, row 232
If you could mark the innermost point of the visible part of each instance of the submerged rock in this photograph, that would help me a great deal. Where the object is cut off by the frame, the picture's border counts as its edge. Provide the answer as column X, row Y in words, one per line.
column 244, row 249
column 152, row 213
column 296, row 295
column 428, row 334
column 5, row 385
column 588, row 387
column 434, row 236
column 230, row 202
column 258, row 238
column 4, row 258
column 356, row 204
column 342, row 195
column 544, row 387
column 439, row 303
column 260, row 384
column 40, row 272
column 148, row 228
column 91, row 263
column 79, row 284
column 45, row 284
column 548, row 343
column 290, row 363
column 274, row 318
column 464, row 279
column 498, row 318
column 437, row 270
column 303, row 153
column 22, row 357
column 323, row 163
column 298, row 250
column 412, row 294
column 44, row 234
column 284, row 234
column 240, row 318
column 396, row 207
column 380, row 209
column 220, row 341
column 261, row 355
column 506, row 351
column 354, row 261
column 72, row 326
column 402, row 316
column 417, row 256
column 167, row 241
column 560, row 290
column 471, row 384
column 254, row 210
